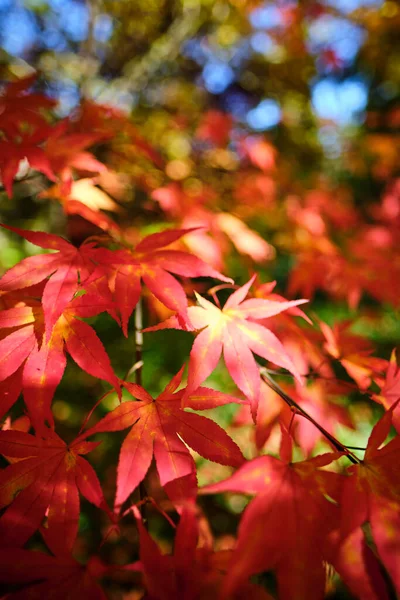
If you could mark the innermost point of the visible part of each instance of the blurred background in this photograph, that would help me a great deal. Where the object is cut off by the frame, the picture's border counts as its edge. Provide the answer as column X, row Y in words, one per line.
column 274, row 124
column 314, row 72
column 242, row 99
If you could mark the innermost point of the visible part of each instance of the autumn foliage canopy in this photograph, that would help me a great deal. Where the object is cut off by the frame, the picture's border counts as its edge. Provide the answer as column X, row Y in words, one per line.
column 172, row 426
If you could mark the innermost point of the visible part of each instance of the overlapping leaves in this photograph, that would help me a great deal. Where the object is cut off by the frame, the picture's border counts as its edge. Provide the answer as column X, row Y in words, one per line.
column 292, row 505
column 43, row 354
column 158, row 427
column 45, row 475
column 234, row 331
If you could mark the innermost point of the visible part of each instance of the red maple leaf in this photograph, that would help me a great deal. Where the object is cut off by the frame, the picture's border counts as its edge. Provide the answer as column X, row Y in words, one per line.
column 209, row 240
column 64, row 269
column 353, row 352
column 390, row 390
column 83, row 198
column 357, row 565
column 158, row 426
column 44, row 354
column 18, row 105
column 285, row 526
column 372, row 493
column 24, row 146
column 67, row 153
column 46, row 477
column 109, row 121
column 48, row 576
column 191, row 572
column 234, row 331
column 24, row 128
column 150, row 262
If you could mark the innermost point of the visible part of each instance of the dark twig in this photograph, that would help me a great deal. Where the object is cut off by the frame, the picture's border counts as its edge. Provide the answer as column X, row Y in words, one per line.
column 297, row 409
column 138, row 342
column 138, row 366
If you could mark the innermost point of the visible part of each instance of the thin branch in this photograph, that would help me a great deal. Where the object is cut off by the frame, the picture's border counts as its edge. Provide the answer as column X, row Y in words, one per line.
column 88, row 46
column 137, row 367
column 296, row 408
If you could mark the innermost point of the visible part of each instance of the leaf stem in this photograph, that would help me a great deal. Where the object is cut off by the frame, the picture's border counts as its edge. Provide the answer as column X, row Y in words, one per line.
column 150, row 500
column 85, row 421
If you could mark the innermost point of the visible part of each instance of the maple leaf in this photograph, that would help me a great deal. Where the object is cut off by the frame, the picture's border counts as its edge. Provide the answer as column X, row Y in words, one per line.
column 48, row 576
column 353, row 352
column 66, row 151
column 82, row 197
column 268, row 413
column 191, row 572
column 285, row 526
column 188, row 207
column 18, row 106
column 47, row 476
column 153, row 264
column 312, row 266
column 86, row 192
column 24, row 129
column 390, row 390
column 16, row 346
column 322, row 265
column 357, row 565
column 372, row 493
column 235, row 332
column 157, row 426
column 100, row 118
column 245, row 240
column 25, row 146
column 64, row 269
column 113, row 122
column 211, row 246
column 20, row 424
column 44, row 355
column 265, row 290
column 303, row 344
column 177, row 203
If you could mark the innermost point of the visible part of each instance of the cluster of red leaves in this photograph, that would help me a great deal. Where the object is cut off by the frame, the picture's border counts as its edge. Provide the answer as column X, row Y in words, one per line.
column 337, row 248
column 305, row 514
